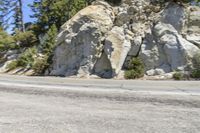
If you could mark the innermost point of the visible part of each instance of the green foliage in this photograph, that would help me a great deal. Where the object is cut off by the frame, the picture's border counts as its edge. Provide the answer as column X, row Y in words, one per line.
column 49, row 42
column 133, row 74
column 18, row 40
column 12, row 65
column 195, row 73
column 196, row 61
column 56, row 12
column 6, row 41
column 196, row 66
column 11, row 14
column 2, row 58
column 40, row 65
column 75, row 6
column 135, row 69
column 27, row 58
column 25, row 39
column 178, row 76
column 48, row 46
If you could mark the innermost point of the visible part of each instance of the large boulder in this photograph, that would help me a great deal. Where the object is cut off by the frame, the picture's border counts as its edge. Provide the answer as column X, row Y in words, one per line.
column 80, row 42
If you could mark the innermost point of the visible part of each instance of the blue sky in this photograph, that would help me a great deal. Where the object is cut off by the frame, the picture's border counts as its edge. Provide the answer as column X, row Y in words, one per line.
column 27, row 11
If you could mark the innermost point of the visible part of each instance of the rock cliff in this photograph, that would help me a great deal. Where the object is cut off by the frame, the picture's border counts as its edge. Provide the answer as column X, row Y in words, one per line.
column 101, row 39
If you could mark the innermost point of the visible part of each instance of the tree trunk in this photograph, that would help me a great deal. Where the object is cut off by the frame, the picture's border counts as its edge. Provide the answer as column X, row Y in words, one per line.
column 21, row 15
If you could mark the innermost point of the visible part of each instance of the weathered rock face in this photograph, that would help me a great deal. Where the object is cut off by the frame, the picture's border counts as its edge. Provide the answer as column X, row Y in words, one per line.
column 80, row 41
column 101, row 39
column 116, row 48
column 174, row 15
column 168, row 51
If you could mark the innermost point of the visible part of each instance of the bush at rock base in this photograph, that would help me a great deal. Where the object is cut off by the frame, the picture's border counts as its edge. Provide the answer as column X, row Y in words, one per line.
column 12, row 65
column 178, row 76
column 196, row 61
column 195, row 73
column 135, row 69
column 25, row 60
column 133, row 74
column 40, row 65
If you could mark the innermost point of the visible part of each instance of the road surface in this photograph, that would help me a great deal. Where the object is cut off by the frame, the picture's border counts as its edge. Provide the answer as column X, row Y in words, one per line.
column 61, row 105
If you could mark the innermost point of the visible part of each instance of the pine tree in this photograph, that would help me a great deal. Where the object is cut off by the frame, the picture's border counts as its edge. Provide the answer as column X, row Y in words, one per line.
column 1, row 14
column 6, row 41
column 19, row 16
column 50, row 39
column 12, row 10
column 50, row 12
column 3, row 10
column 76, row 5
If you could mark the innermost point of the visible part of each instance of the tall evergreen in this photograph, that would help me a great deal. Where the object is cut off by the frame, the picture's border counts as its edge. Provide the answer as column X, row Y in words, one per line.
column 19, row 15
column 1, row 14
column 76, row 5
column 50, row 12
column 3, row 10
column 11, row 10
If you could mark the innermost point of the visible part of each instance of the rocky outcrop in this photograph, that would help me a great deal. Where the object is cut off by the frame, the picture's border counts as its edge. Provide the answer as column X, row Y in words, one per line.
column 101, row 39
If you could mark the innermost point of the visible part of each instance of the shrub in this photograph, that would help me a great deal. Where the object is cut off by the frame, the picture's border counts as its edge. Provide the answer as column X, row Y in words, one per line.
column 196, row 61
column 133, row 74
column 178, row 76
column 48, row 46
column 12, row 65
column 40, row 65
column 6, row 41
column 25, row 39
column 49, row 41
column 195, row 73
column 27, row 58
column 135, row 69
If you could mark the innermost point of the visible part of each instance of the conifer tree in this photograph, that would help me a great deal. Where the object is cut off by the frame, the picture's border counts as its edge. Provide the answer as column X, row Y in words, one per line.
column 6, row 41
column 50, row 39
column 50, row 12
column 11, row 10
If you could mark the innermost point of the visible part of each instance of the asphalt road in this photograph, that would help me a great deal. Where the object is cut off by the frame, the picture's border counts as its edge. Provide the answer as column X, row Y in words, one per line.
column 61, row 105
